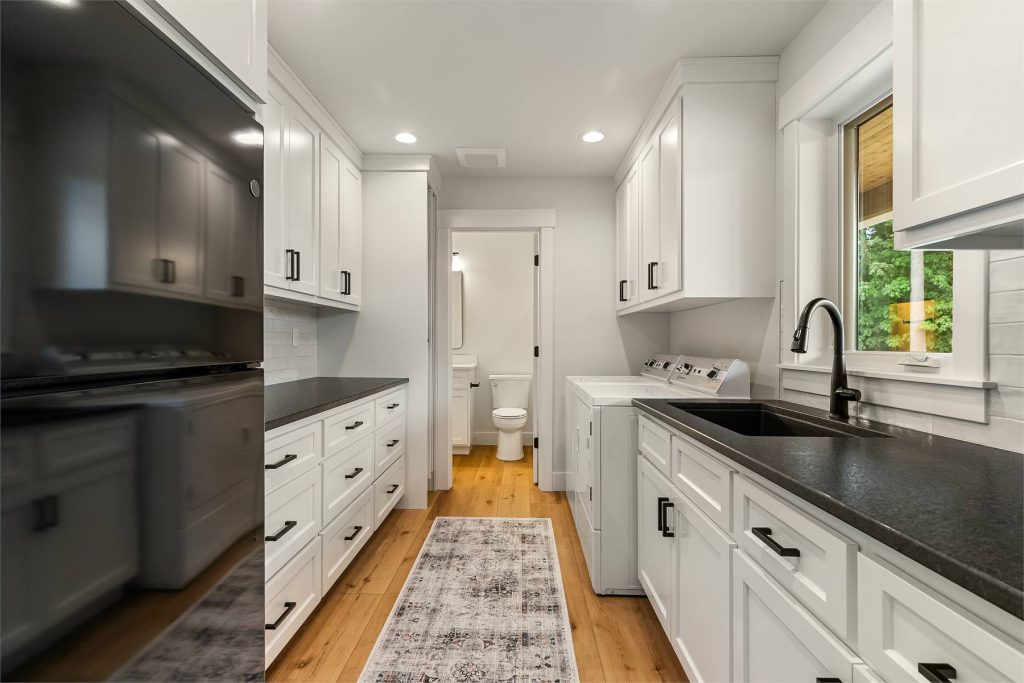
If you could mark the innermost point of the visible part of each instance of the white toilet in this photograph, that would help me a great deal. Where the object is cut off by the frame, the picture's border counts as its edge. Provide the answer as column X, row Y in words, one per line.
column 510, row 395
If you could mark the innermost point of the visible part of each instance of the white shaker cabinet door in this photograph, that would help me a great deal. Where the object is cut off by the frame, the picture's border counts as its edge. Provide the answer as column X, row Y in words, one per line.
column 670, row 198
column 352, row 233
column 655, row 539
column 650, row 221
column 332, row 281
column 958, row 119
column 301, row 168
column 627, row 230
column 275, row 218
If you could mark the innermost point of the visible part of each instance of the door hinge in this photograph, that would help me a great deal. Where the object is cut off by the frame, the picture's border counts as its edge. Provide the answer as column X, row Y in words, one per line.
column 536, row 352
column 536, row 259
column 536, row 443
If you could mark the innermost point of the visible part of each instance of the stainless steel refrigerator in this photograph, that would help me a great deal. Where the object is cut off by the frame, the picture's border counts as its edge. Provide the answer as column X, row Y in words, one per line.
column 131, row 404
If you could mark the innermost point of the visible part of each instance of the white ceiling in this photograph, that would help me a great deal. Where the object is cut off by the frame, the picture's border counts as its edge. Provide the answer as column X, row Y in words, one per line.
column 530, row 76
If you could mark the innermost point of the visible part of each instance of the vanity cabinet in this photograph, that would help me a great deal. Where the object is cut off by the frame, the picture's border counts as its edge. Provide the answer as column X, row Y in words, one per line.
column 313, row 211
column 958, row 124
column 786, row 594
column 330, row 479
column 233, row 32
column 461, row 411
column 683, row 237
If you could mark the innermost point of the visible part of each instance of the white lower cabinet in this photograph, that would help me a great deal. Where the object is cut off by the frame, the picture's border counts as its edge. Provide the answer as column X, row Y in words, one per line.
column 291, row 596
column 774, row 638
column 330, row 481
column 701, row 623
column 785, row 596
column 907, row 633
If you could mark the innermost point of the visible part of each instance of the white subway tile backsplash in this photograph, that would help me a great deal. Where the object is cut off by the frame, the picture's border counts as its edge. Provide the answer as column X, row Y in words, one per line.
column 1006, row 276
column 1006, row 339
column 289, row 342
column 1006, row 307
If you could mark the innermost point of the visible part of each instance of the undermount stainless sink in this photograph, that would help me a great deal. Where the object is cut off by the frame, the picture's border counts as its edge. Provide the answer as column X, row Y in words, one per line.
column 760, row 419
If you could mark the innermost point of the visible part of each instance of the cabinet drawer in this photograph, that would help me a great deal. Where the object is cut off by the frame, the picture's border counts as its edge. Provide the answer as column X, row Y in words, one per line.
column 903, row 624
column 390, row 407
column 345, row 536
column 348, row 427
column 703, row 479
column 812, row 562
column 387, row 491
column 655, row 444
column 292, row 518
column 346, row 475
column 290, row 597
column 288, row 455
column 390, row 445
column 776, row 640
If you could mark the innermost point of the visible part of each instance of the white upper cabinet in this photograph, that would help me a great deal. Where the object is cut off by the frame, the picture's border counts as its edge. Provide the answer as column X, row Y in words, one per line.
column 233, row 32
column 705, row 167
column 313, row 228
column 958, row 124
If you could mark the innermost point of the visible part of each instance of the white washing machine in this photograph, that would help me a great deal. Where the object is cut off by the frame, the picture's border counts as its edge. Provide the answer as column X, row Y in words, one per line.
column 601, row 443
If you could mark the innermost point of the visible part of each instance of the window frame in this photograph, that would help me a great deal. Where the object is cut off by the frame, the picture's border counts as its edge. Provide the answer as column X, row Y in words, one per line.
column 970, row 274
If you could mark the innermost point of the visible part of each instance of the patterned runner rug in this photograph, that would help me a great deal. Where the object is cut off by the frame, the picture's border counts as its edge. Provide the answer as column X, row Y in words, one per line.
column 484, row 602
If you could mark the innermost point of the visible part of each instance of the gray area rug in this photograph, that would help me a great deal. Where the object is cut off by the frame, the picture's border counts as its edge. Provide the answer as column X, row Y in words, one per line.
column 219, row 639
column 484, row 602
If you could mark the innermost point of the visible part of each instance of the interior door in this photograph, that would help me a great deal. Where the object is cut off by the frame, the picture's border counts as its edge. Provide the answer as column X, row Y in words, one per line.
column 352, row 232
column 332, row 281
column 650, row 225
column 275, row 224
column 535, row 387
column 302, row 208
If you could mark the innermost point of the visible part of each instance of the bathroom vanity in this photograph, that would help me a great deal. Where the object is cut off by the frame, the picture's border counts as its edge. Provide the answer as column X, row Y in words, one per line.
column 461, row 411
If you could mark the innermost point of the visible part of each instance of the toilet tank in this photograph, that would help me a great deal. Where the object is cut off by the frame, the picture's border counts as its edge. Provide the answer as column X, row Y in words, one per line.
column 510, row 391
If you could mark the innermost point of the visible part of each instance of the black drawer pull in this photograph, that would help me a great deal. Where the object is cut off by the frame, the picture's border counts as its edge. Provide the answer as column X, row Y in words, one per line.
column 347, row 277
column 394, row 487
column 288, row 607
column 355, row 425
column 474, row 385
column 355, row 532
column 828, row 679
column 665, row 531
column 937, row 673
column 288, row 526
column 393, row 406
column 765, row 535
column 355, row 473
column 282, row 462
column 289, row 255
column 622, row 290
column 661, row 513
column 392, row 443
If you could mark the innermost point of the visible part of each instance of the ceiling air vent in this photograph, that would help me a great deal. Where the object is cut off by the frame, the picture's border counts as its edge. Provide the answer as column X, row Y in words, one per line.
column 481, row 157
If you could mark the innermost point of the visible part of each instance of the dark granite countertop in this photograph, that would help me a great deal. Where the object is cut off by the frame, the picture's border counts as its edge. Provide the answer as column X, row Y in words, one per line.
column 952, row 506
column 291, row 401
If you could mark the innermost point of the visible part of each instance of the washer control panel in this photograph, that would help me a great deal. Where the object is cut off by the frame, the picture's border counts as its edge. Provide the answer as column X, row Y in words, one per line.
column 722, row 377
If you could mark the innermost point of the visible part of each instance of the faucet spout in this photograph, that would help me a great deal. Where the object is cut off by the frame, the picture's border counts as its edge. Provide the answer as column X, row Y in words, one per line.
column 840, row 394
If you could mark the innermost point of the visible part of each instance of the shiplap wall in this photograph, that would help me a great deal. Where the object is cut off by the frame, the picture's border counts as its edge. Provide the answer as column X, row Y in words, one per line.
column 283, row 362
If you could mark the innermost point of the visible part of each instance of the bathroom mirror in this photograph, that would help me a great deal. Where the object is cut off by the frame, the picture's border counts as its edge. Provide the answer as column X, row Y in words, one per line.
column 456, row 309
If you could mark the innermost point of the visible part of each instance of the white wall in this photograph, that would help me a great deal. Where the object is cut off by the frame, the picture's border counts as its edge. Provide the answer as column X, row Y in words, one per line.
column 590, row 339
column 289, row 342
column 388, row 337
column 497, row 314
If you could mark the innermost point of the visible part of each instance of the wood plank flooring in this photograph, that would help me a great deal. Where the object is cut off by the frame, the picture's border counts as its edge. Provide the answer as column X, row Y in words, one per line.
column 617, row 639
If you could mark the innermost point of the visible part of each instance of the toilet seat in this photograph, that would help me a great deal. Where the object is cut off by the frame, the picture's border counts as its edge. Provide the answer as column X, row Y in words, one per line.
column 508, row 413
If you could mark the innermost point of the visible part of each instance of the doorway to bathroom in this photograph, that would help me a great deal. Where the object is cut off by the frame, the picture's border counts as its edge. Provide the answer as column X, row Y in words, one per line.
column 494, row 310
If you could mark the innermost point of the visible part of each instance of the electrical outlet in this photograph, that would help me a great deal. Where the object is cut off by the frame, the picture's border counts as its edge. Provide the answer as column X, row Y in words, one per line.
column 295, row 337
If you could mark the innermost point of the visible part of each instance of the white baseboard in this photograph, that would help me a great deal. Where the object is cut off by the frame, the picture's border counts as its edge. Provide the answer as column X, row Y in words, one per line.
column 491, row 438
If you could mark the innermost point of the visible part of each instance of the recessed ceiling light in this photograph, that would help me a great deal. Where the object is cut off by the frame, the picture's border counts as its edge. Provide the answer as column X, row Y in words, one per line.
column 249, row 137
column 592, row 136
column 406, row 138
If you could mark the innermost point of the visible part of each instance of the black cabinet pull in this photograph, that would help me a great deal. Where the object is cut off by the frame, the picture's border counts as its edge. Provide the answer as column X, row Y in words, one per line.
column 661, row 513
column 355, row 473
column 288, row 526
column 937, row 673
column 355, row 425
column 282, row 462
column 168, row 273
column 765, row 534
column 828, row 679
column 289, row 255
column 393, row 406
column 346, row 277
column 288, row 607
column 298, row 266
column 394, row 487
column 392, row 443
column 47, row 513
column 474, row 385
column 622, row 290
column 665, row 531
column 237, row 285
column 355, row 532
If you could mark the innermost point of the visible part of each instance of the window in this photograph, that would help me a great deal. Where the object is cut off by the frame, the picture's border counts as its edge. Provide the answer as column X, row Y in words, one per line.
column 899, row 301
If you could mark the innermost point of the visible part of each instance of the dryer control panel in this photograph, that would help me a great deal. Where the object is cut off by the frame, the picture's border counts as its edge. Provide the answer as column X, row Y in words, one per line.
column 720, row 377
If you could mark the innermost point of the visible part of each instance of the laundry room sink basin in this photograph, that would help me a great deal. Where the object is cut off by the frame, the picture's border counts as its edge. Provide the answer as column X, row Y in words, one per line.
column 759, row 419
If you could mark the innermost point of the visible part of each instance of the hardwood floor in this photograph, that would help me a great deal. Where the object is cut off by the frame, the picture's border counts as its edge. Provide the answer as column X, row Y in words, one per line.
column 617, row 639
